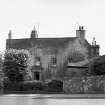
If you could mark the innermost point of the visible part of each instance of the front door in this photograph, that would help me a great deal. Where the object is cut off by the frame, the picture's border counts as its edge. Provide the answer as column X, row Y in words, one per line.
column 36, row 75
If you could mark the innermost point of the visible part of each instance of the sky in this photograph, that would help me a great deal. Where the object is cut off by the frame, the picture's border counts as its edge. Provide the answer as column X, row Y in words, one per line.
column 52, row 18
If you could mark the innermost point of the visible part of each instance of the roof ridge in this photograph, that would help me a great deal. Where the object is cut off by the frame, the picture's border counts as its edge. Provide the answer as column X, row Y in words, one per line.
column 45, row 38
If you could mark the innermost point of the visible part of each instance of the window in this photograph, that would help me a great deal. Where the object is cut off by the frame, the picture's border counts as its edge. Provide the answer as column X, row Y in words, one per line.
column 37, row 58
column 70, row 59
column 53, row 60
column 37, row 61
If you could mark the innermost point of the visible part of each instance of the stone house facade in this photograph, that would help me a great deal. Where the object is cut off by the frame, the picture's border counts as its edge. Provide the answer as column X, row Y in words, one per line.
column 51, row 55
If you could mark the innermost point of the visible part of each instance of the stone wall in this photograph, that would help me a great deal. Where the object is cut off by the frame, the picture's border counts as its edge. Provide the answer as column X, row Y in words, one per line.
column 92, row 84
column 75, row 50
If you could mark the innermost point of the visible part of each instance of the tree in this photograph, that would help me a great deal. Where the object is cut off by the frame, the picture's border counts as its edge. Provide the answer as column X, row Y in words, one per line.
column 1, row 73
column 16, row 64
column 98, row 66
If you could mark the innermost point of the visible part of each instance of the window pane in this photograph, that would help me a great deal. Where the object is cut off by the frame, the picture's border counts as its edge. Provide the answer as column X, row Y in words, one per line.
column 53, row 60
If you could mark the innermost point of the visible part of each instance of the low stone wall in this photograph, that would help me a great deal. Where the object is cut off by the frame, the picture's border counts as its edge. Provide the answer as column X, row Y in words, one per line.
column 92, row 84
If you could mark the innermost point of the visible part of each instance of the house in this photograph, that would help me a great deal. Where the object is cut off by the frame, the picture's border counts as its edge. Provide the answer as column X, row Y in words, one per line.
column 51, row 55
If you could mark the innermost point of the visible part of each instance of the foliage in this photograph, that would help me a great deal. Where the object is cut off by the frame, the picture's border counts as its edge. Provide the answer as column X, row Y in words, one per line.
column 98, row 66
column 1, row 73
column 31, row 86
column 55, row 86
column 7, row 85
column 38, row 86
column 1, row 60
column 16, row 64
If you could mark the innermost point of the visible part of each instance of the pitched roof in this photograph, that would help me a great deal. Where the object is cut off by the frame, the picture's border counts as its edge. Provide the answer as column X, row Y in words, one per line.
column 79, row 64
column 40, row 42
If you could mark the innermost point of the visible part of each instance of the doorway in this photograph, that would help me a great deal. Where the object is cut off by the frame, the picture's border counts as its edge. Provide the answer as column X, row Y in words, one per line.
column 36, row 75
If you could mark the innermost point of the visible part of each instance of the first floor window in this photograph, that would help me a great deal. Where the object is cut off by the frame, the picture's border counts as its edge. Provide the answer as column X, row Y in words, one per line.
column 53, row 60
column 37, row 61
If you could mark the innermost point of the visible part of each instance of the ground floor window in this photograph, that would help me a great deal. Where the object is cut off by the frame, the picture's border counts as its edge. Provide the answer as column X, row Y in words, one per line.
column 36, row 75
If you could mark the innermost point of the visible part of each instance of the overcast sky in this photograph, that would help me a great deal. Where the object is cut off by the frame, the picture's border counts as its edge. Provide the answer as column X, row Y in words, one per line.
column 55, row 18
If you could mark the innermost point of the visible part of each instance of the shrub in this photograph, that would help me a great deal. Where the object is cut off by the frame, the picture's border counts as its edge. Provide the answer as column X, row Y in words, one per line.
column 98, row 66
column 31, row 86
column 55, row 86
column 9, row 86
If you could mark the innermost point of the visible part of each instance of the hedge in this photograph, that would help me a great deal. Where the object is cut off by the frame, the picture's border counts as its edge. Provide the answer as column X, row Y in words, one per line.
column 53, row 86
